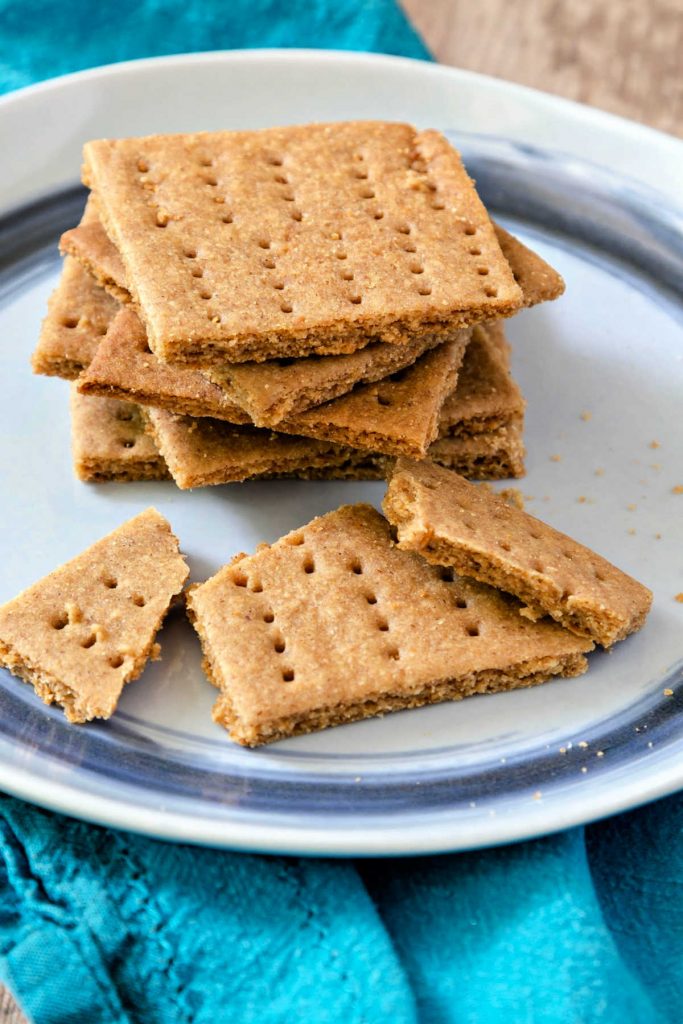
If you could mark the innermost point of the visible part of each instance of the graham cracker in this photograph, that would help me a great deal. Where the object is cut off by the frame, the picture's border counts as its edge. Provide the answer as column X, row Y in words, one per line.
column 201, row 452
column 399, row 415
column 333, row 623
column 123, row 367
column 272, row 391
column 314, row 239
column 89, row 243
column 78, row 316
column 486, row 398
column 538, row 280
column 109, row 441
column 451, row 522
column 484, row 455
column 88, row 628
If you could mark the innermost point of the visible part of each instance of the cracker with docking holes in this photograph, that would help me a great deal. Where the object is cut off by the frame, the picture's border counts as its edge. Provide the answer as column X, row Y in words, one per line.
column 88, row 628
column 399, row 415
column 333, row 623
column 293, row 241
column 202, row 452
column 109, row 441
column 78, row 316
column 394, row 416
column 123, row 367
column 451, row 522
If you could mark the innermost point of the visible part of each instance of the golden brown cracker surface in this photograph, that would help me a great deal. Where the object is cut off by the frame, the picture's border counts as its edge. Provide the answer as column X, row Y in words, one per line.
column 310, row 239
column 451, row 522
column 316, row 630
column 88, row 628
column 109, row 441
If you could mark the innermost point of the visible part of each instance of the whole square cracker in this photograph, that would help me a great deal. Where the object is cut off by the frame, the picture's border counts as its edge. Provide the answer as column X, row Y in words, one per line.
column 451, row 522
column 333, row 623
column 88, row 628
column 308, row 239
column 202, row 452
column 109, row 441
column 78, row 316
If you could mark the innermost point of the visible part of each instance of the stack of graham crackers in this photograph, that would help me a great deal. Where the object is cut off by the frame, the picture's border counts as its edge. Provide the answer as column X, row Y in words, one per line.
column 306, row 301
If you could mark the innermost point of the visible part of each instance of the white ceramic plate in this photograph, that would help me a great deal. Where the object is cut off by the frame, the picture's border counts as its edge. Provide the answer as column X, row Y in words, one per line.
column 593, row 194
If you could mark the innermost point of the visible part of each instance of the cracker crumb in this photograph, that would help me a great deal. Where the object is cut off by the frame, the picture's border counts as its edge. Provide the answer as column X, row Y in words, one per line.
column 556, row 458
column 655, row 444
column 632, row 532
column 599, row 472
column 583, row 744
column 513, row 496
column 586, row 416
column 678, row 489
column 599, row 753
column 679, row 597
column 655, row 465
column 658, row 536
column 563, row 750
column 537, row 795
column 632, row 507
column 667, row 692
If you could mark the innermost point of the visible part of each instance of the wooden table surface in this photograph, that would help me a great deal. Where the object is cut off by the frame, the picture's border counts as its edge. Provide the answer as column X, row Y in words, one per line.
column 624, row 56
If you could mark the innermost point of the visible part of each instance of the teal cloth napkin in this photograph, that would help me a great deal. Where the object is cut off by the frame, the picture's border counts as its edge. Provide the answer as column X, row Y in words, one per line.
column 102, row 927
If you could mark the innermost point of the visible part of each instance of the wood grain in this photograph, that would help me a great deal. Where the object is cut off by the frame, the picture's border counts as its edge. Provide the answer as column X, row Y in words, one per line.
column 625, row 56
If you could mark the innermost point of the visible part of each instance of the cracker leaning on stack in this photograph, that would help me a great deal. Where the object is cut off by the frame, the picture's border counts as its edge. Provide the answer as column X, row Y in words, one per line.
column 305, row 301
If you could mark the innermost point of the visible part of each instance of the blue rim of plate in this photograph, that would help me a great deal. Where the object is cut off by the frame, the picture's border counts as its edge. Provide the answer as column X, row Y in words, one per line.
column 350, row 810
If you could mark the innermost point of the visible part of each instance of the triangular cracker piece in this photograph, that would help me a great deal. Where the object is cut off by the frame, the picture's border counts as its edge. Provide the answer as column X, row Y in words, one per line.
column 451, row 522
column 109, row 441
column 367, row 226
column 333, row 623
column 486, row 398
column 538, row 280
column 397, row 416
column 201, row 452
column 78, row 316
column 83, row 632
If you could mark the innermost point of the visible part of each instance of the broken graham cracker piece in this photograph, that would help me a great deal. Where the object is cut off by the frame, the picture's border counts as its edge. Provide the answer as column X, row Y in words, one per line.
column 399, row 415
column 89, row 243
column 109, row 441
column 203, row 452
column 308, row 239
column 453, row 523
column 486, row 398
column 273, row 391
column 538, row 280
column 79, row 314
column 123, row 367
column 88, row 628
column 333, row 623
column 484, row 455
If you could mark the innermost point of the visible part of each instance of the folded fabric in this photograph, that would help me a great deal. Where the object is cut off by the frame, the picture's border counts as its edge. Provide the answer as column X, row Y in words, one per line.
column 40, row 39
column 104, row 926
